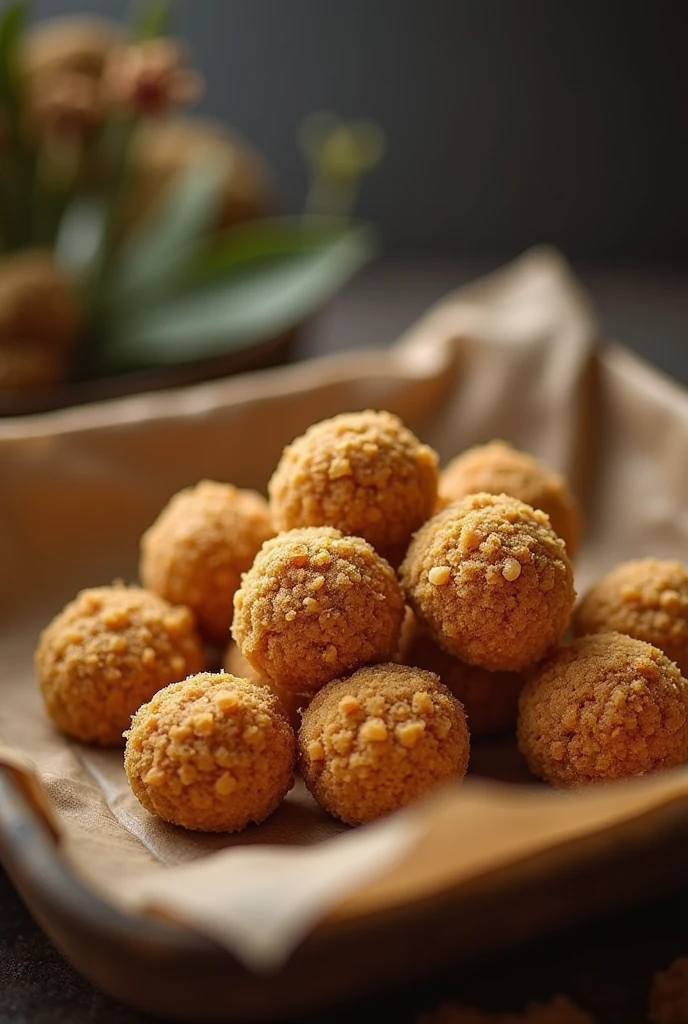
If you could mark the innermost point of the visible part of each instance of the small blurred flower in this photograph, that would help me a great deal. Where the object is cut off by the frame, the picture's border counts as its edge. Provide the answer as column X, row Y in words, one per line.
column 341, row 150
column 339, row 153
column 150, row 78
column 65, row 104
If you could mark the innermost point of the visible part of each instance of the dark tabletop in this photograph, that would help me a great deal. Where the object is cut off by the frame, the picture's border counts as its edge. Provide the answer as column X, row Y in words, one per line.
column 605, row 965
column 645, row 309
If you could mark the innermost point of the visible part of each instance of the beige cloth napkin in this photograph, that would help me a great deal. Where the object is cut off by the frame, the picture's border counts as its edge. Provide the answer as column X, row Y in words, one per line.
column 513, row 356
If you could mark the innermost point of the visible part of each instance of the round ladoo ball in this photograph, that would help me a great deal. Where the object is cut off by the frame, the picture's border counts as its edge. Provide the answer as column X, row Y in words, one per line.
column 491, row 582
column 109, row 651
column 605, row 707
column 379, row 739
column 29, row 366
column 364, row 473
column 198, row 547
column 314, row 605
column 490, row 699
column 497, row 468
column 646, row 599
column 164, row 148
column 236, row 664
column 39, row 302
column 212, row 753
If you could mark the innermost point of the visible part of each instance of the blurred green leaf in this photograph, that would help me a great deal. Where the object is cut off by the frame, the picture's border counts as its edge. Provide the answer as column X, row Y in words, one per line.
column 80, row 235
column 154, row 258
column 265, row 239
column 151, row 20
column 12, row 21
column 16, row 164
column 274, row 291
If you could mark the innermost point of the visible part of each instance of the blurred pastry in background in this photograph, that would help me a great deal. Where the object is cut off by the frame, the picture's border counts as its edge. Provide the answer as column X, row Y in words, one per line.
column 164, row 148
column 40, row 320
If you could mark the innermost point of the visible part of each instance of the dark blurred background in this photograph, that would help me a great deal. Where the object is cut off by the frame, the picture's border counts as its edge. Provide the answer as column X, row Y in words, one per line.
column 509, row 122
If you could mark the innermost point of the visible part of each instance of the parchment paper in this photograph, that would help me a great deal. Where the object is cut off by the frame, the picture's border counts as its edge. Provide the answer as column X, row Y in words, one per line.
column 514, row 356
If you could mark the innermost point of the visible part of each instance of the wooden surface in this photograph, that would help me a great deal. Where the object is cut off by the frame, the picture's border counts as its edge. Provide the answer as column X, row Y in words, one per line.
column 607, row 965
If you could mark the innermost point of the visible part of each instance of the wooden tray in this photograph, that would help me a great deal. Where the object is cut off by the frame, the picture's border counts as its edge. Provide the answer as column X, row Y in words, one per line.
column 162, row 968
column 272, row 352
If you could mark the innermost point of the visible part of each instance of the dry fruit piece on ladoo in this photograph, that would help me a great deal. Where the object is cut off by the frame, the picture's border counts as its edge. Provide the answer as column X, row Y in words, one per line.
column 379, row 739
column 605, row 707
column 490, row 699
column 646, row 599
column 198, row 547
column 491, row 582
column 106, row 653
column 364, row 473
column 236, row 664
column 212, row 753
column 314, row 605
column 497, row 468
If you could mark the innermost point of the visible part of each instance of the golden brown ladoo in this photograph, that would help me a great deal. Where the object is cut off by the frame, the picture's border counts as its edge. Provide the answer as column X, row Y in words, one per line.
column 212, row 753
column 497, row 468
column 364, row 473
column 236, row 664
column 379, row 739
column 314, row 605
column 490, row 699
column 646, row 599
column 106, row 653
column 198, row 547
column 605, row 707
column 491, row 582
column 28, row 364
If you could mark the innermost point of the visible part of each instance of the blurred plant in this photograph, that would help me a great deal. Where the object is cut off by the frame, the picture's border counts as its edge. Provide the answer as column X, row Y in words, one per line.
column 150, row 234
